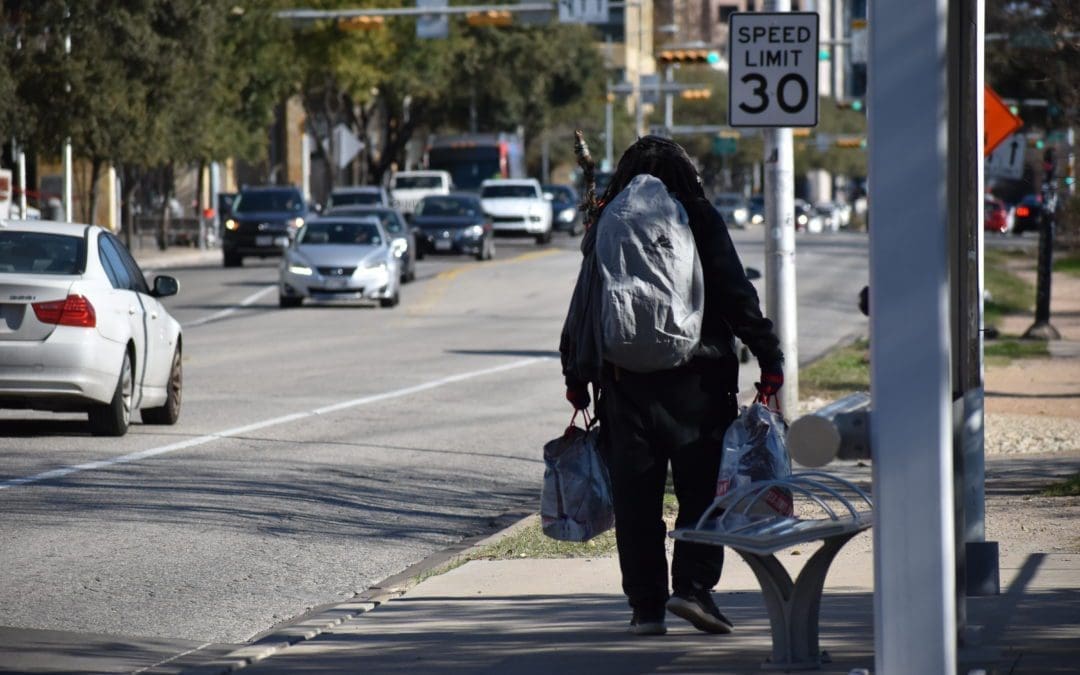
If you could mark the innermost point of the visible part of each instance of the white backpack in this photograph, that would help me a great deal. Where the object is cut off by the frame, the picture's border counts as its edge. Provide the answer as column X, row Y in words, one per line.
column 653, row 291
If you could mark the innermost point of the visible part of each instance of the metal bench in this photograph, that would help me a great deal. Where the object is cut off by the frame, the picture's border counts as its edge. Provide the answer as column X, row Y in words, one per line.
column 793, row 607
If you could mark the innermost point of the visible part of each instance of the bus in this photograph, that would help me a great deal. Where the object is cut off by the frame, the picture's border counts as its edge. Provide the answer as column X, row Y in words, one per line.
column 472, row 158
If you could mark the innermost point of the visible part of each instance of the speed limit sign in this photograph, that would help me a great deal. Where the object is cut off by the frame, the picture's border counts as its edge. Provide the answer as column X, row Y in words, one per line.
column 773, row 69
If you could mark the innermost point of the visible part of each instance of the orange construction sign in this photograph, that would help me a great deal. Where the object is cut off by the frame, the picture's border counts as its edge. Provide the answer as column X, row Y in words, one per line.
column 998, row 121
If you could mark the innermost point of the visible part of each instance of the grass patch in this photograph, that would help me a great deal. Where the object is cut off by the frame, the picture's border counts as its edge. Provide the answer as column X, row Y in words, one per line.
column 1070, row 487
column 1069, row 265
column 1001, row 352
column 841, row 372
column 1009, row 294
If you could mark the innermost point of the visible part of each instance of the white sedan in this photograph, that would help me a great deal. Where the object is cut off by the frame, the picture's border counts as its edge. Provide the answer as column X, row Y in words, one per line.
column 80, row 330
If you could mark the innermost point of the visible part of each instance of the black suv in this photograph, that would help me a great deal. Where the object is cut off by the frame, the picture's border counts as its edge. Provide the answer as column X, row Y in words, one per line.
column 262, row 223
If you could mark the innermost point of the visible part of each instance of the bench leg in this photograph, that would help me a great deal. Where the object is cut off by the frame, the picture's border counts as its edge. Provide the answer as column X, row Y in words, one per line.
column 793, row 607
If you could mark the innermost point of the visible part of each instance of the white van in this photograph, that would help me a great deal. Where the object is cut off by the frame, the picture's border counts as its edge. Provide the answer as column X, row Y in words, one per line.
column 407, row 188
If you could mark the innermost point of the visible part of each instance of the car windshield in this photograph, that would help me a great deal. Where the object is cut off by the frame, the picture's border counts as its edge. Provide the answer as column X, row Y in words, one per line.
column 390, row 220
column 507, row 191
column 42, row 253
column 269, row 200
column 365, row 197
column 561, row 193
column 445, row 207
column 340, row 232
column 417, row 182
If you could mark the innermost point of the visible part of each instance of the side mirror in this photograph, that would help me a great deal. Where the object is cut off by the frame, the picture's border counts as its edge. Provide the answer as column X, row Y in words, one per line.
column 164, row 286
column 752, row 273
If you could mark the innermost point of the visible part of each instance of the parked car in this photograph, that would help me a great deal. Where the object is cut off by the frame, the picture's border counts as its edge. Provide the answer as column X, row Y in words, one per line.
column 995, row 215
column 403, row 240
column 407, row 188
column 262, row 223
column 358, row 195
column 830, row 215
column 454, row 223
column 564, row 208
column 340, row 258
column 733, row 207
column 84, row 331
column 1027, row 215
column 517, row 207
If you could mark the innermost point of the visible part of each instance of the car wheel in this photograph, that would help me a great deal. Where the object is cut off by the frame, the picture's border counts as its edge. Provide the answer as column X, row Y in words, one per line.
column 233, row 259
column 113, row 418
column 544, row 238
column 286, row 301
column 392, row 301
column 170, row 412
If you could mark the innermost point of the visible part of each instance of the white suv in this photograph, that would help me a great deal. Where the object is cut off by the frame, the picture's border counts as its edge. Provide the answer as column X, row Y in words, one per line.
column 407, row 188
column 517, row 206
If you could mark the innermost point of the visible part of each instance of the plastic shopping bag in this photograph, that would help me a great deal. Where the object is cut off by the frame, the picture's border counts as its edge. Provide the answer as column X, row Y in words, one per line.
column 575, row 502
column 755, row 449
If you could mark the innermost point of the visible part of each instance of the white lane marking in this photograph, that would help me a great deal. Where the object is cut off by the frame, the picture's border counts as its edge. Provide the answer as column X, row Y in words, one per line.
column 285, row 419
column 249, row 300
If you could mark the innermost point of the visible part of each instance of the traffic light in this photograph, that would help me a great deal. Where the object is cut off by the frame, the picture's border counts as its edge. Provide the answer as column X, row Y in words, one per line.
column 491, row 17
column 851, row 142
column 669, row 56
column 360, row 23
column 695, row 94
column 855, row 104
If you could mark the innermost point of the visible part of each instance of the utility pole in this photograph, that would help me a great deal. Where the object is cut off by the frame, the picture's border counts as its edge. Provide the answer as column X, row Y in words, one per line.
column 67, row 146
column 609, row 128
column 780, row 302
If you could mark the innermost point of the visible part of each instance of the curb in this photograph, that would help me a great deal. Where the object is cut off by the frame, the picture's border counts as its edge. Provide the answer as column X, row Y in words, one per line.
column 321, row 619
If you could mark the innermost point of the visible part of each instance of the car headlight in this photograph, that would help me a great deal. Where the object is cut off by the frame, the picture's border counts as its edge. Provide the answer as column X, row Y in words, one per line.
column 295, row 223
column 231, row 224
column 297, row 267
column 474, row 231
column 567, row 215
column 740, row 214
column 757, row 219
column 375, row 265
column 802, row 219
column 398, row 247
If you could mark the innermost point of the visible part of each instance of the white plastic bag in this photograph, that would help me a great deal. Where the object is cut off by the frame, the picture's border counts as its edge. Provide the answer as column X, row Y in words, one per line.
column 575, row 502
column 755, row 449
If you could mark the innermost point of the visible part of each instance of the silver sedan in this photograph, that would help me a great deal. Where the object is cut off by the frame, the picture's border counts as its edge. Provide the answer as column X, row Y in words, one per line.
column 341, row 258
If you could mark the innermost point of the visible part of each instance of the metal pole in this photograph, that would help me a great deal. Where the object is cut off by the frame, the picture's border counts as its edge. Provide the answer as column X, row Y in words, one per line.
column 609, row 130
column 22, row 184
column 545, row 158
column 67, row 152
column 1042, row 328
column 639, row 109
column 911, row 430
column 669, row 99
column 780, row 303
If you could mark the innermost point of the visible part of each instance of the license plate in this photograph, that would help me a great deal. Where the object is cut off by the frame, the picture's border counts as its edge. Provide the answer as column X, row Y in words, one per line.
column 443, row 245
column 336, row 283
column 264, row 240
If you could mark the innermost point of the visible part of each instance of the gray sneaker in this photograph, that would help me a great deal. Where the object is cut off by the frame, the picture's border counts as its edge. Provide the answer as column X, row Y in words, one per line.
column 648, row 623
column 698, row 608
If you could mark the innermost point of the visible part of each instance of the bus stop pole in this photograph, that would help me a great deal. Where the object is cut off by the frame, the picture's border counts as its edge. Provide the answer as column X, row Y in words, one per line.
column 911, row 430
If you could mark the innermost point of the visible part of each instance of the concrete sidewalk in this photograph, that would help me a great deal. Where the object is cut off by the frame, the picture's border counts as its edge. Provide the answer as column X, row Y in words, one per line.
column 569, row 616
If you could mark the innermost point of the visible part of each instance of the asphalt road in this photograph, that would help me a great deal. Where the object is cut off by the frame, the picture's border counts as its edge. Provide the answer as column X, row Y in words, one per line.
column 320, row 449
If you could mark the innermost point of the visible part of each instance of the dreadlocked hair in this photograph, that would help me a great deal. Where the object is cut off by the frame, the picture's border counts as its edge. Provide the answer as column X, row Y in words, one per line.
column 660, row 157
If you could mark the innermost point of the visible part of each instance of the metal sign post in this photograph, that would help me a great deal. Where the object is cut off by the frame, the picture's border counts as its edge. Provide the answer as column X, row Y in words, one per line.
column 773, row 83
column 911, row 430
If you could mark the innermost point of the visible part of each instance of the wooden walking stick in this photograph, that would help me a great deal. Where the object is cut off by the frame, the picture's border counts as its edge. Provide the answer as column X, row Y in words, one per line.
column 589, row 204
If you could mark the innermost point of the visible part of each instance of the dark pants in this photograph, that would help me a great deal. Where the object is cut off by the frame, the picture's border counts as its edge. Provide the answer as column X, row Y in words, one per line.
column 647, row 420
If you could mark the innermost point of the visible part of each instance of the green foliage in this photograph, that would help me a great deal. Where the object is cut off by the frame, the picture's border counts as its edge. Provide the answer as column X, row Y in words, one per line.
column 1009, row 294
column 1069, row 265
column 842, row 371
column 1002, row 352
column 1070, row 487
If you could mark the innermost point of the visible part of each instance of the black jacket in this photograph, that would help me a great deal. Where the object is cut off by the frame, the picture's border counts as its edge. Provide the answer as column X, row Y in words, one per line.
column 731, row 301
